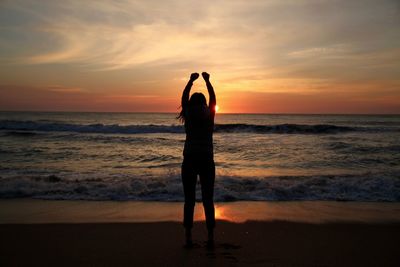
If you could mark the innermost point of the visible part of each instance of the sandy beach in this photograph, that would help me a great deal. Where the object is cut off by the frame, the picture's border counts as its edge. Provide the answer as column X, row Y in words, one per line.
column 237, row 244
column 82, row 241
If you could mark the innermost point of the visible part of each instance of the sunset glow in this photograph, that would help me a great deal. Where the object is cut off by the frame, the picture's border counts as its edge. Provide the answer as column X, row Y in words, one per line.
column 263, row 56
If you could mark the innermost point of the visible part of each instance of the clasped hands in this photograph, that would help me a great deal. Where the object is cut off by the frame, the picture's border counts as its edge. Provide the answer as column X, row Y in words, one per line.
column 195, row 75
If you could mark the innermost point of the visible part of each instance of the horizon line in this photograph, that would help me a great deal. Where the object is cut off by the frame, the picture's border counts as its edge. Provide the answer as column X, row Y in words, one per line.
column 225, row 113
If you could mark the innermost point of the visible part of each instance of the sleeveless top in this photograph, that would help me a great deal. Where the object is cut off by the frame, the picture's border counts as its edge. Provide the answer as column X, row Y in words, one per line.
column 199, row 127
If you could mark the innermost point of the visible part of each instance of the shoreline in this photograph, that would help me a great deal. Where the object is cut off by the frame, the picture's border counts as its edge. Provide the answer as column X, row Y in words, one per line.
column 32, row 211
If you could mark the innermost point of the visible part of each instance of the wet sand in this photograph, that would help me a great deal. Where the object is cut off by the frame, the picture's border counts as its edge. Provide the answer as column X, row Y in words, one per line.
column 67, row 211
column 50, row 239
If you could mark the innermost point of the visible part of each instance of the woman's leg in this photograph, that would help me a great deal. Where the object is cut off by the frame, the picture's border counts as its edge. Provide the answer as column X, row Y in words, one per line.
column 207, row 178
column 189, row 179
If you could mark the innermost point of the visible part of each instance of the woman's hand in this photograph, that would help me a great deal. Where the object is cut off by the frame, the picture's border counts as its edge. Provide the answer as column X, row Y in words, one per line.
column 194, row 76
column 206, row 76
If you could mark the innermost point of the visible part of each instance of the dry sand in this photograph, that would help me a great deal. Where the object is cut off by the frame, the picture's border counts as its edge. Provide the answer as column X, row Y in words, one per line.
column 237, row 244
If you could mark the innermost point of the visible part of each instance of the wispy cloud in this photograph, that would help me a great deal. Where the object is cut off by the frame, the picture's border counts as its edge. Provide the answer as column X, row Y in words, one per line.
column 122, row 34
column 63, row 89
column 273, row 45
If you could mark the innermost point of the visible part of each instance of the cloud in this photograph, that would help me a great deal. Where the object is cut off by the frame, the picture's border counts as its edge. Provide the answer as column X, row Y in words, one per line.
column 58, row 98
column 123, row 34
column 304, row 46
column 63, row 89
column 333, row 51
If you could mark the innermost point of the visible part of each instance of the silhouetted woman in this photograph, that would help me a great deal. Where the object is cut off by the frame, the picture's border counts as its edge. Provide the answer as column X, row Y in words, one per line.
column 198, row 158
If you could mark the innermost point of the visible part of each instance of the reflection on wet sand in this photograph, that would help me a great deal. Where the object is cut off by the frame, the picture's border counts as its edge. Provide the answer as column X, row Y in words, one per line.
column 304, row 211
column 47, row 211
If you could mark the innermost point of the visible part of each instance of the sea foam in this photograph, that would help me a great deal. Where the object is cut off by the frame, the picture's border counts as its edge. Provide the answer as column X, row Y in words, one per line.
column 28, row 127
column 365, row 187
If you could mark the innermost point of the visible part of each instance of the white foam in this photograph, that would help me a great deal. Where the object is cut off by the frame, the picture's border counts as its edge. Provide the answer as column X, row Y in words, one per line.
column 366, row 187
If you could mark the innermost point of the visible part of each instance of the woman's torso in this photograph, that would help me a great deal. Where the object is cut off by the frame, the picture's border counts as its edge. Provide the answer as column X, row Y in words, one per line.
column 199, row 134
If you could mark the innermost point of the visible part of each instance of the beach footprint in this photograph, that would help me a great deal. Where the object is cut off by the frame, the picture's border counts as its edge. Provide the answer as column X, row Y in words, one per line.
column 227, row 254
column 223, row 250
column 230, row 246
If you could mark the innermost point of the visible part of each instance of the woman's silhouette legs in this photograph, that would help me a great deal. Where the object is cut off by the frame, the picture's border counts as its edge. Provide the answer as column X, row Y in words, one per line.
column 205, row 168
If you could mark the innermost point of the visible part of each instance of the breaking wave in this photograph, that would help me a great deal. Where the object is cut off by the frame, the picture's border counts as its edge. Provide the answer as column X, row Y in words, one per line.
column 25, row 128
column 366, row 187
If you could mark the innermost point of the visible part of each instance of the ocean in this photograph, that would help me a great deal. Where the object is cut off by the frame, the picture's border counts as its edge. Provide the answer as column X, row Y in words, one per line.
column 137, row 156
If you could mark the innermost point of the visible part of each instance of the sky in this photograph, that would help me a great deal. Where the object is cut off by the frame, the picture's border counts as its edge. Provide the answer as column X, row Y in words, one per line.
column 271, row 56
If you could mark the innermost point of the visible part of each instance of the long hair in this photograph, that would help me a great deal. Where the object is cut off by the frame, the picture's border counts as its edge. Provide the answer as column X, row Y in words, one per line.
column 197, row 99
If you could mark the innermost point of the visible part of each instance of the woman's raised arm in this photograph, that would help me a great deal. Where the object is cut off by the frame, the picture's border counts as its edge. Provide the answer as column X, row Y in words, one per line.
column 211, row 93
column 186, row 91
